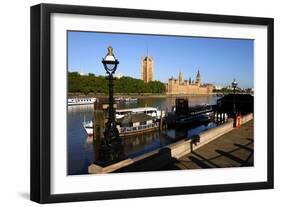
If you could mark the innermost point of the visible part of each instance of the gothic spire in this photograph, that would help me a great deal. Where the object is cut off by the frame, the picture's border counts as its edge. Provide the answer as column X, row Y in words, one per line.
column 180, row 77
column 198, row 74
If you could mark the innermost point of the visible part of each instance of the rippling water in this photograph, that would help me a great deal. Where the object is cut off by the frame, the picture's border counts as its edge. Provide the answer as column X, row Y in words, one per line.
column 81, row 149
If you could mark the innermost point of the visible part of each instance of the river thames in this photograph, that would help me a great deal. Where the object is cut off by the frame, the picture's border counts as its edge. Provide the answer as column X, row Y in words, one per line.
column 81, row 149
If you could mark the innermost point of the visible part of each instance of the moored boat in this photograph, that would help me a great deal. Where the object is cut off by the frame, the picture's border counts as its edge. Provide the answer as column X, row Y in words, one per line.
column 136, row 123
column 80, row 101
column 88, row 126
column 126, row 99
column 133, row 121
column 150, row 111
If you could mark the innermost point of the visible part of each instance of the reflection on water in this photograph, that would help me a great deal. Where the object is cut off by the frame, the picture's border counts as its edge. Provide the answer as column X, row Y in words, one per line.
column 81, row 149
column 140, row 144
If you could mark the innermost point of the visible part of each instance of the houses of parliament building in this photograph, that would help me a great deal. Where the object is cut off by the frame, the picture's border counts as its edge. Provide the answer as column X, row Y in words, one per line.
column 175, row 86
column 180, row 86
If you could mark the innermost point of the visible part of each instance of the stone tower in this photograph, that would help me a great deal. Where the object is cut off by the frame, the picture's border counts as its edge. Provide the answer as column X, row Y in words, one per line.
column 147, row 68
column 198, row 79
column 180, row 77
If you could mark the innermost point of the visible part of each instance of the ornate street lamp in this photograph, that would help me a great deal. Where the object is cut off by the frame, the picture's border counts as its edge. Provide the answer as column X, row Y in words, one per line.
column 234, row 85
column 111, row 149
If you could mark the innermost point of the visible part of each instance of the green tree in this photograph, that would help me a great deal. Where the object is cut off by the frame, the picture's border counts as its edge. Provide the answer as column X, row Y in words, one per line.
column 99, row 84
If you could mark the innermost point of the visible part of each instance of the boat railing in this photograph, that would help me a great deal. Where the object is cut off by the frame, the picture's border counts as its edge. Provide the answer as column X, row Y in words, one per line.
column 138, row 128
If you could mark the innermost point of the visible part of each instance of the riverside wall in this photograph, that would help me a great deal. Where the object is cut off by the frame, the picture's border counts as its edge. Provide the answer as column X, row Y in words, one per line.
column 177, row 149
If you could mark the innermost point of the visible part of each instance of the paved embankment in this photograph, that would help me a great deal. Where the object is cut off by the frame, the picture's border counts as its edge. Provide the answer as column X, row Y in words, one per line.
column 233, row 149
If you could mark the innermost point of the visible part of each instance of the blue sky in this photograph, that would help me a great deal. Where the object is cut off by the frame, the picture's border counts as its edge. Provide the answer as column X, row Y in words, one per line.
column 219, row 60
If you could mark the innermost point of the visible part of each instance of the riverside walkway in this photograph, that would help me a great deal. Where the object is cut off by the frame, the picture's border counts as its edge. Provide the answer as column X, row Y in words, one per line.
column 233, row 149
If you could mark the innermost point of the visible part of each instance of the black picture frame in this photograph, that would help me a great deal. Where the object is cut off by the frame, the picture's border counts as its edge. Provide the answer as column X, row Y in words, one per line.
column 40, row 102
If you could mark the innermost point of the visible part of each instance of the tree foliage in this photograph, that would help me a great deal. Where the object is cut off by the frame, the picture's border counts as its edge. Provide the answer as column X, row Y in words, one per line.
column 98, row 84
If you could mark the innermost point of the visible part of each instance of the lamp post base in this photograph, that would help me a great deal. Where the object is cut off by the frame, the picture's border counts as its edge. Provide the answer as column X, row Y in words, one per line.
column 111, row 149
